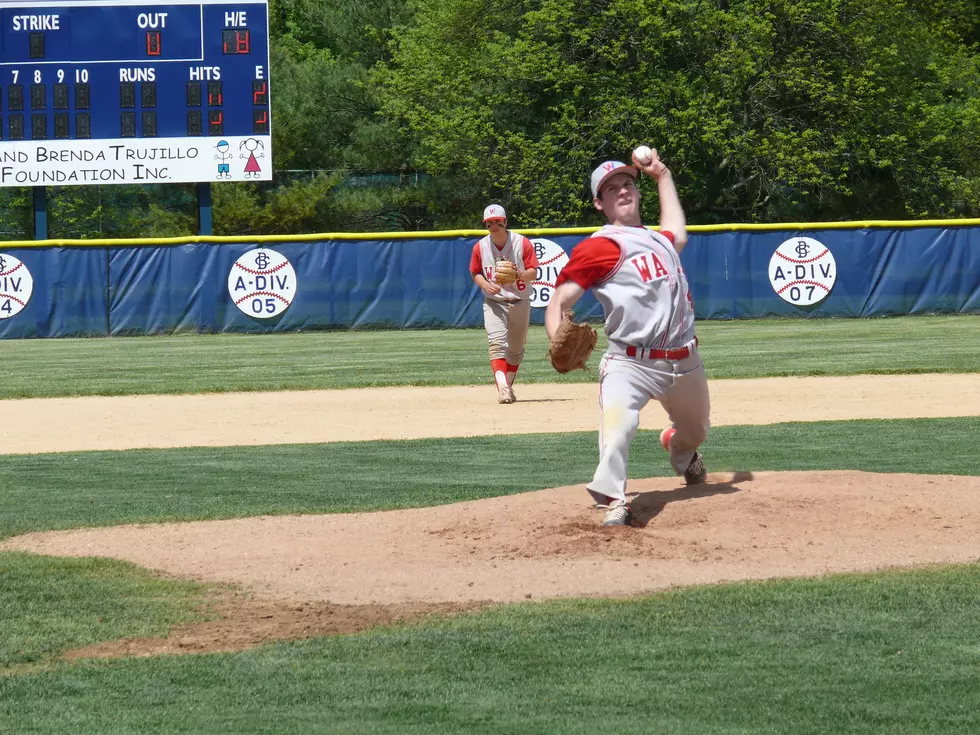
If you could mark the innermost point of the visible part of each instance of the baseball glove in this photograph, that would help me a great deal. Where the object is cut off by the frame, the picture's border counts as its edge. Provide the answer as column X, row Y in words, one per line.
column 506, row 272
column 571, row 344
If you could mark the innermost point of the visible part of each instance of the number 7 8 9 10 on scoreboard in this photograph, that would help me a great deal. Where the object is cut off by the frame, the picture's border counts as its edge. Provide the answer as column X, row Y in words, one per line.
column 123, row 92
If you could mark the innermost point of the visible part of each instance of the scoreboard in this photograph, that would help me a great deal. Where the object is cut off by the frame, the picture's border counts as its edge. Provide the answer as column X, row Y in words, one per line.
column 124, row 92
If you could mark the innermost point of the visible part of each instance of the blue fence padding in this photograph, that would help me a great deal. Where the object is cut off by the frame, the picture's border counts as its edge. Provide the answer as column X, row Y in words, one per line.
column 880, row 272
column 133, row 289
column 412, row 284
column 69, row 294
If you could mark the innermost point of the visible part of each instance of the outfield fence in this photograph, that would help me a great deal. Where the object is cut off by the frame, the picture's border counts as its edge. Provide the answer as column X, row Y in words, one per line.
column 75, row 288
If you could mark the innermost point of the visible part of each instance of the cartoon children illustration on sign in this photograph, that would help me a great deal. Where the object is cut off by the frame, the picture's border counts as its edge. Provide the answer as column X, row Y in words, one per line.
column 224, row 169
column 252, row 168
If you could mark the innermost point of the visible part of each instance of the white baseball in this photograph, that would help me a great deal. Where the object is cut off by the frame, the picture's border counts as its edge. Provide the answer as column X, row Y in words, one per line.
column 643, row 153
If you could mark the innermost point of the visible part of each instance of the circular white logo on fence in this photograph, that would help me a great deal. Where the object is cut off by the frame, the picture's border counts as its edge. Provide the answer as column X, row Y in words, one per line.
column 802, row 271
column 262, row 283
column 16, row 286
column 551, row 259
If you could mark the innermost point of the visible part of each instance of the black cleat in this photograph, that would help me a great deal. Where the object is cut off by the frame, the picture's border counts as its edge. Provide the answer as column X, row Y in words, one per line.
column 695, row 474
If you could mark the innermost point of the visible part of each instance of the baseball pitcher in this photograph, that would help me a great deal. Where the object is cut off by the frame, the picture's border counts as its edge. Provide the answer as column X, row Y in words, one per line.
column 636, row 275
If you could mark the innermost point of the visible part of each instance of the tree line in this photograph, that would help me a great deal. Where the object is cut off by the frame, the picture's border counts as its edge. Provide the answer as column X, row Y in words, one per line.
column 415, row 114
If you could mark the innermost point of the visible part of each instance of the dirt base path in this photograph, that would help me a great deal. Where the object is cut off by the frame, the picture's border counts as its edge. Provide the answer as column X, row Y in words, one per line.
column 309, row 575
column 243, row 419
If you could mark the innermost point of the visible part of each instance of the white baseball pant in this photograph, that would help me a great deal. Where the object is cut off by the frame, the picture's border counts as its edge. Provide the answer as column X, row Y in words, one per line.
column 626, row 385
column 507, row 326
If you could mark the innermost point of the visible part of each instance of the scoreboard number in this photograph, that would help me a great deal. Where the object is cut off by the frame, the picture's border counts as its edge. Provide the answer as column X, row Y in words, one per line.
column 39, row 126
column 236, row 41
column 148, row 94
column 16, row 127
column 216, row 122
column 260, row 122
column 215, row 98
column 62, row 127
column 195, row 122
column 260, row 92
column 153, row 44
column 127, row 125
column 39, row 95
column 37, row 45
column 83, row 126
column 149, row 122
column 127, row 94
column 15, row 97
column 193, row 94
column 82, row 98
column 61, row 96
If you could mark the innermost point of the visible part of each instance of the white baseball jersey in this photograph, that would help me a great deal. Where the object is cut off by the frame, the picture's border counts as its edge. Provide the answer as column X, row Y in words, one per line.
column 513, row 251
column 646, row 299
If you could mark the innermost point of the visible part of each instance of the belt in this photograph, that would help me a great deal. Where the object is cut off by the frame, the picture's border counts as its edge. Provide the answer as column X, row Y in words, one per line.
column 654, row 354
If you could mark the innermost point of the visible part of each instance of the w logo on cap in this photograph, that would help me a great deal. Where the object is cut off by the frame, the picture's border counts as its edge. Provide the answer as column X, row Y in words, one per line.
column 607, row 169
column 494, row 211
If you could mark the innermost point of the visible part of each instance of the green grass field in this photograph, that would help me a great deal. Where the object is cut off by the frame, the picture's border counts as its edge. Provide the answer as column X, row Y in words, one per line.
column 67, row 490
column 884, row 653
column 305, row 361
column 888, row 653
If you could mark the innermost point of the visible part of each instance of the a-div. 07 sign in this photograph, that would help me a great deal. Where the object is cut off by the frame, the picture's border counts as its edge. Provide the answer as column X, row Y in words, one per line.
column 121, row 92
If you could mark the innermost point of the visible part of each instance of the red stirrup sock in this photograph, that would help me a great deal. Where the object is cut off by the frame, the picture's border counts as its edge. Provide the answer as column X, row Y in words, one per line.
column 499, row 368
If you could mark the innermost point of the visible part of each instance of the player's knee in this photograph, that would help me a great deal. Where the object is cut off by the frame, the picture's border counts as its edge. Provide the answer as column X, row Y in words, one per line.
column 699, row 434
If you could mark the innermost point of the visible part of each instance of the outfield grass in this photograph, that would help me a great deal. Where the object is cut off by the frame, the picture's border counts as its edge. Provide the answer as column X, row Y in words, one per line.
column 49, row 605
column 884, row 653
column 65, row 490
column 304, row 361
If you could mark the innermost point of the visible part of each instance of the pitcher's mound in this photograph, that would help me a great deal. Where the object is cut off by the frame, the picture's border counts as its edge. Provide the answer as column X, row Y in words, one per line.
column 549, row 543
column 321, row 575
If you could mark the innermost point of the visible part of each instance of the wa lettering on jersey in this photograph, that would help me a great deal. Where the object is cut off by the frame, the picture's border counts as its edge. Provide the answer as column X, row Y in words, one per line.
column 648, row 273
column 642, row 263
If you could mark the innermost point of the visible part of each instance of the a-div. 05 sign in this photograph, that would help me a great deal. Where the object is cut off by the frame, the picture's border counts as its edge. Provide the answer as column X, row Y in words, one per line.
column 120, row 92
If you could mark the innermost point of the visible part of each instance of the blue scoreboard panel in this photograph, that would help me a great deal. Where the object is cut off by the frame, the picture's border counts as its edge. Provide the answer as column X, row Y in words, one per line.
column 123, row 92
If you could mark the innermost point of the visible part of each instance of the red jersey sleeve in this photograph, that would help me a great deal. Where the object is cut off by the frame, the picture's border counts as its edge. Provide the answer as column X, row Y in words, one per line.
column 528, row 255
column 476, row 260
column 592, row 260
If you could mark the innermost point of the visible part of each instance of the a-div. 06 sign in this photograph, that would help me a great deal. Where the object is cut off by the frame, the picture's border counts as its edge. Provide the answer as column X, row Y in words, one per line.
column 120, row 92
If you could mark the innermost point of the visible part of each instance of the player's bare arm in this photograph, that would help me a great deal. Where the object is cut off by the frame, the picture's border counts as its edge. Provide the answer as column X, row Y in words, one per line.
column 527, row 276
column 672, row 216
column 564, row 297
column 488, row 288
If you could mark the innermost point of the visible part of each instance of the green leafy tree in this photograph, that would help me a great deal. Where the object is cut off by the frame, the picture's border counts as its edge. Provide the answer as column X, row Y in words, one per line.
column 768, row 110
column 325, row 112
column 326, row 119
column 16, row 214
column 93, row 212
column 303, row 205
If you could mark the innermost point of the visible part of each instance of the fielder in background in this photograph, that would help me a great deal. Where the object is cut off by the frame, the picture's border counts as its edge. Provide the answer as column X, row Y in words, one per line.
column 503, row 265
column 636, row 275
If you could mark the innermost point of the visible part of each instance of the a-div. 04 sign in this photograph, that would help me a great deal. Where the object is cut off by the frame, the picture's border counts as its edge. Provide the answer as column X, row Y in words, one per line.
column 121, row 92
